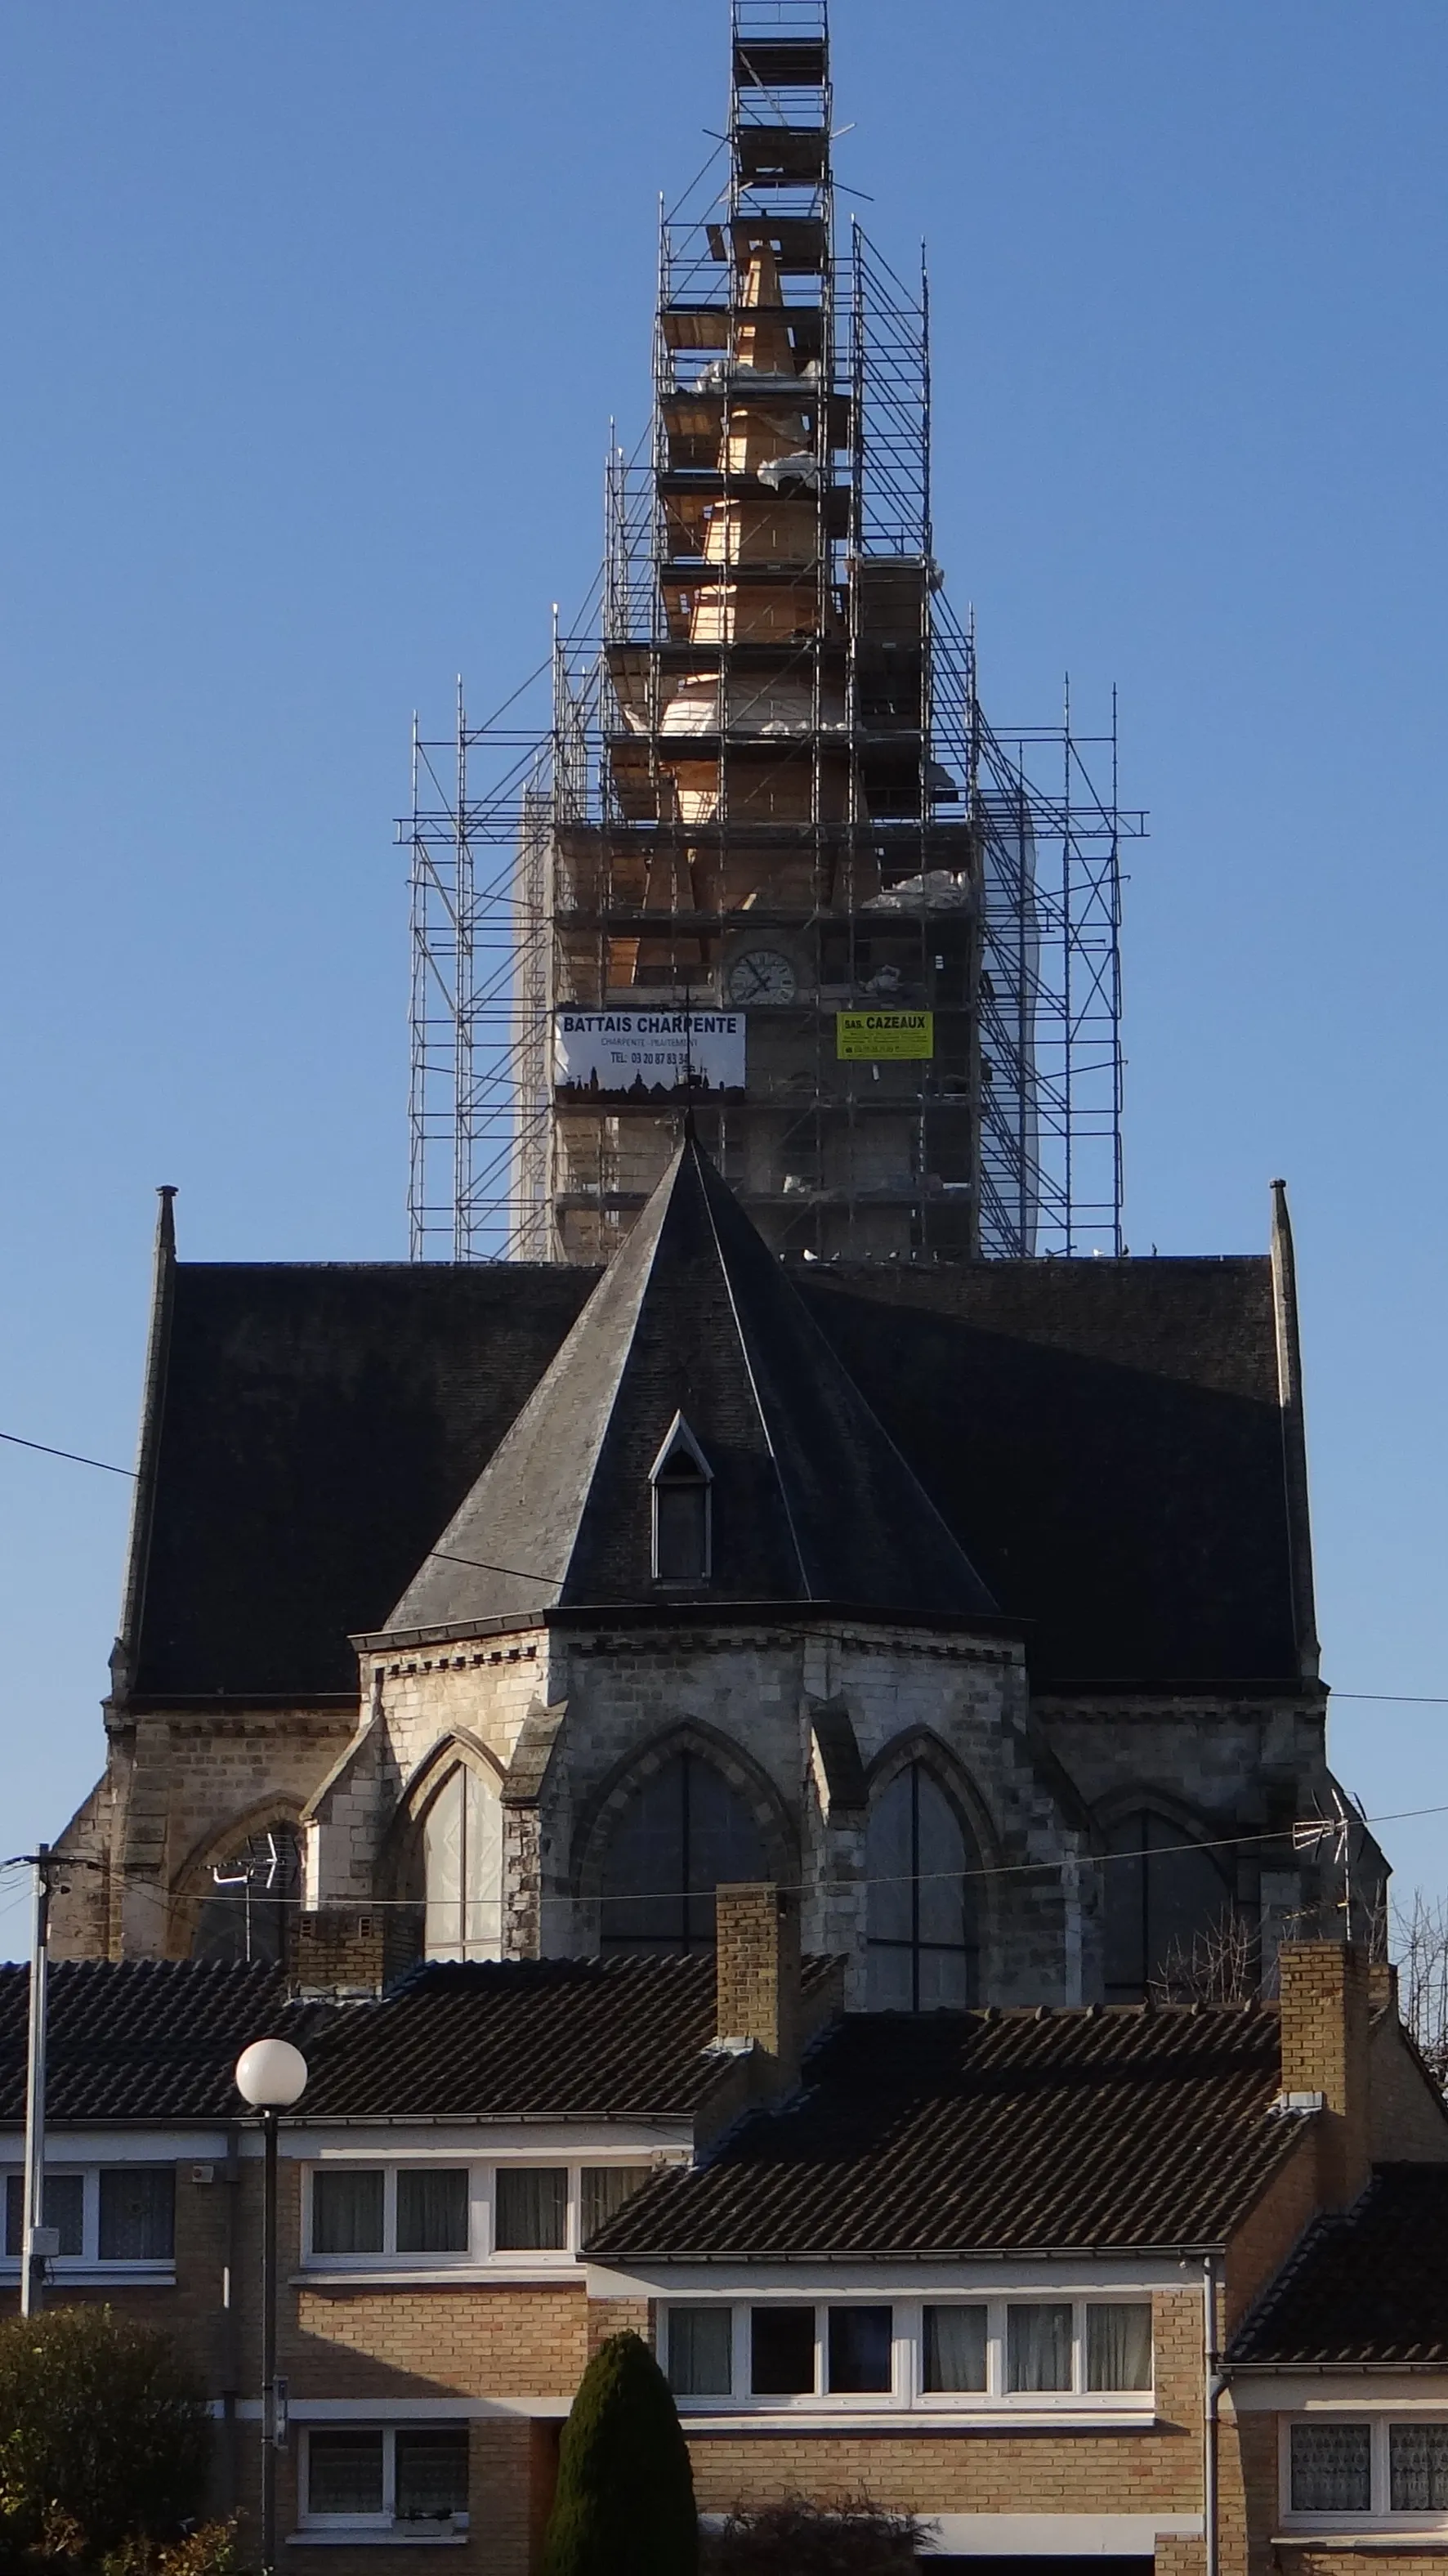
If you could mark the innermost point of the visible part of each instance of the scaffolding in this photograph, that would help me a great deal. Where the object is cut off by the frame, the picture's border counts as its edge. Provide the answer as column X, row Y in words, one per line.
column 763, row 845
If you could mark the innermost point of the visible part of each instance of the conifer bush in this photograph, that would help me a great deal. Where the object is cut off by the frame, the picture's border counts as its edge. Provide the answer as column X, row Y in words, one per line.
column 624, row 2504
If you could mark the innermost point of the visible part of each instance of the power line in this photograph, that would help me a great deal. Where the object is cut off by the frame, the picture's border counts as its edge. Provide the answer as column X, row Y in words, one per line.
column 532, row 1574
column 73, row 1455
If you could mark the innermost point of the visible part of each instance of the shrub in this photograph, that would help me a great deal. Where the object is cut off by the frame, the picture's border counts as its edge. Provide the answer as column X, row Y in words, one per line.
column 103, row 2437
column 798, row 2538
column 624, row 2505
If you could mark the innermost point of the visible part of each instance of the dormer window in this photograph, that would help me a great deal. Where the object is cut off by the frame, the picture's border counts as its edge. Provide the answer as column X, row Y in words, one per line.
column 681, row 1477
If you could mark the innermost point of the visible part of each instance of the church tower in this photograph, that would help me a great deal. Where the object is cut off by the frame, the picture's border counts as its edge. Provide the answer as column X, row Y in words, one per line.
column 776, row 909
column 768, row 859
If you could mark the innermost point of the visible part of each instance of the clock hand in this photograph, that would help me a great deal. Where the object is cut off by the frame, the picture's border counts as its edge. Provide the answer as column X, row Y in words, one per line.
column 761, row 981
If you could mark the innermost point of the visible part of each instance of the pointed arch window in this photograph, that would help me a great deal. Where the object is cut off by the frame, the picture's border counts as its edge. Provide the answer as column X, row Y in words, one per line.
column 253, row 1898
column 683, row 1508
column 1168, row 1909
column 920, row 1918
column 462, row 1868
column 684, row 1832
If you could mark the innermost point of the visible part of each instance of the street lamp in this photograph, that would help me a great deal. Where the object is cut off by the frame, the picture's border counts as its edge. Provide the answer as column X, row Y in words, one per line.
column 270, row 2075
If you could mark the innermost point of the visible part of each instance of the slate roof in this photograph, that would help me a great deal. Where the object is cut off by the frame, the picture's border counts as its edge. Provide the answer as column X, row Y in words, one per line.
column 1103, row 1437
column 977, row 2132
column 1366, row 2290
column 811, row 1499
column 153, row 2041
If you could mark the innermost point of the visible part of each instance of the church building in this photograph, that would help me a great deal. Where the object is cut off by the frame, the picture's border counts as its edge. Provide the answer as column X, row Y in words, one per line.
column 504, row 1611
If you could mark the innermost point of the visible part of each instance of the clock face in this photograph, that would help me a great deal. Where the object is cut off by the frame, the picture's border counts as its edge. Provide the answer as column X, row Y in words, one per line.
column 762, row 975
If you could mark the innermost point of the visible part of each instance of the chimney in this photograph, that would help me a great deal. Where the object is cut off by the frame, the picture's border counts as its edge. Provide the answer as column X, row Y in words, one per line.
column 339, row 1952
column 1324, row 2011
column 757, row 1978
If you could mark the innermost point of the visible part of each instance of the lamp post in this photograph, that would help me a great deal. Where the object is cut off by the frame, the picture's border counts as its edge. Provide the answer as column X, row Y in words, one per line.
column 270, row 2075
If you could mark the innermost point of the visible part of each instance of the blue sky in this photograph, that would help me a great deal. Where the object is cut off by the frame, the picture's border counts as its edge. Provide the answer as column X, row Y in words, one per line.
column 316, row 317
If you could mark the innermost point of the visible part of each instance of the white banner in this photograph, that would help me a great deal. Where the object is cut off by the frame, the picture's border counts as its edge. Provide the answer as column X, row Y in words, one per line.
column 630, row 1055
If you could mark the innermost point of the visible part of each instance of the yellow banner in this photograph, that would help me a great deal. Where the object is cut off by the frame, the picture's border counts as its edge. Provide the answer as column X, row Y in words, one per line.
column 880, row 1037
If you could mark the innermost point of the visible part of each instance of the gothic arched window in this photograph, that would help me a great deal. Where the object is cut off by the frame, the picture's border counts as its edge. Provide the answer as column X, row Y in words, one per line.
column 683, row 1833
column 252, row 1897
column 1168, row 1908
column 462, row 1868
column 920, row 1921
column 683, row 1508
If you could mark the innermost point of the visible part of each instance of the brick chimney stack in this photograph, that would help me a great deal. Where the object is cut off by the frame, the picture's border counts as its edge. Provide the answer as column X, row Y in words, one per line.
column 757, row 1972
column 1324, row 2008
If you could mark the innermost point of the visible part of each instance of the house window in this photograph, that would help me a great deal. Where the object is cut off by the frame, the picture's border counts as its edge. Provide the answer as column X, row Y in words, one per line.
column 1000, row 2356
column 782, row 2351
column 1335, row 2468
column 920, row 1928
column 369, row 2209
column 375, row 2476
column 682, row 1833
column 1332, row 2466
column 955, row 2349
column 121, row 2214
column 462, row 1866
column 859, row 2348
column 682, row 1478
column 64, row 2207
column 1038, row 2346
column 365, row 2216
column 1418, row 2468
column 700, row 2351
column 532, row 2207
column 604, row 2189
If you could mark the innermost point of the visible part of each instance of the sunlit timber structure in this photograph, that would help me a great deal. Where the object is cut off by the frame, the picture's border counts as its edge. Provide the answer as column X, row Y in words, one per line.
column 768, row 859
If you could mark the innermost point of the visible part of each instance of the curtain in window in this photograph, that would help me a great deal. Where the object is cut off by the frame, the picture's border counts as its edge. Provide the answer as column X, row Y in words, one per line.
column 1331, row 2468
column 346, row 2212
column 701, row 2352
column 683, row 1831
column 1118, row 2345
column 1038, row 2346
column 531, row 2206
column 344, row 2473
column 64, row 2206
column 955, row 2340
column 1418, row 2467
column 432, row 2212
column 920, row 1923
column 462, row 1860
column 138, row 2214
column 605, row 2189
column 432, row 2473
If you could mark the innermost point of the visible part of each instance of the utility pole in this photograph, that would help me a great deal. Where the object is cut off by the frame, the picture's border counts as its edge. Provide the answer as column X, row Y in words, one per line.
column 38, row 2242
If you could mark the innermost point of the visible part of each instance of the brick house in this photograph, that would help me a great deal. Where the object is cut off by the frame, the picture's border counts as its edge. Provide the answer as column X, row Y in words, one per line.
column 977, row 2264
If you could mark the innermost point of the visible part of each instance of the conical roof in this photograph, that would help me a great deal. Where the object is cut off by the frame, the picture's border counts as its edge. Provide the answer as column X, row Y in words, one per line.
column 810, row 1499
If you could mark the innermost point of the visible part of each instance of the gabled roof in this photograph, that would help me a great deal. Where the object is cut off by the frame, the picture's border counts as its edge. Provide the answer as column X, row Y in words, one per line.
column 156, row 2041
column 1104, row 1438
column 1365, row 2290
column 955, row 2133
column 811, row 1498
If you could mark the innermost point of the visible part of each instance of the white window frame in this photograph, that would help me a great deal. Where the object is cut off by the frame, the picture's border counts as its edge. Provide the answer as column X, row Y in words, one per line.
column 908, row 2389
column 90, row 2261
column 383, row 2524
column 1379, row 2514
column 482, row 2251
